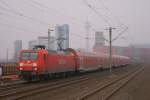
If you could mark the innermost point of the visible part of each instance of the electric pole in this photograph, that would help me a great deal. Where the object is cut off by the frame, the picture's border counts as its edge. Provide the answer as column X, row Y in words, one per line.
column 110, row 48
column 49, row 33
column 87, row 27
column 7, row 55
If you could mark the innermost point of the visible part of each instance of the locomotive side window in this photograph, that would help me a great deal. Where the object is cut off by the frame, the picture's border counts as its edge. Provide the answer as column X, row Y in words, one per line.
column 44, row 56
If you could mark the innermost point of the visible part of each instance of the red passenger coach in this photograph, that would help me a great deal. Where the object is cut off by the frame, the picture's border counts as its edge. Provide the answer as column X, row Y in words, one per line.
column 42, row 63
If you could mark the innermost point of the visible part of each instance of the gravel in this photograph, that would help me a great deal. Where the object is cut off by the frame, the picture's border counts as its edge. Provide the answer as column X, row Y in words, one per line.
column 136, row 89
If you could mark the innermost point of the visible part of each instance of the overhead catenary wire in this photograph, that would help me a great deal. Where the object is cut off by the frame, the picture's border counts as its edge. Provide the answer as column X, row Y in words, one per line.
column 118, row 20
column 107, row 9
column 49, row 10
column 114, row 16
column 57, row 13
column 13, row 11
column 28, row 30
column 97, row 13
column 18, row 13
column 19, row 28
column 39, row 4
column 9, row 16
column 120, row 34
column 4, row 3
column 21, row 14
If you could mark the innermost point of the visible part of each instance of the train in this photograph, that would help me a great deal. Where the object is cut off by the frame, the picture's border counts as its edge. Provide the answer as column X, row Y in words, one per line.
column 41, row 63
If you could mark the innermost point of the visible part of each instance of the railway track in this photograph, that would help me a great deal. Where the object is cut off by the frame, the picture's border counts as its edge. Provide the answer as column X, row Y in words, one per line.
column 23, row 84
column 72, row 92
column 31, row 90
column 28, row 90
column 11, row 86
column 105, row 91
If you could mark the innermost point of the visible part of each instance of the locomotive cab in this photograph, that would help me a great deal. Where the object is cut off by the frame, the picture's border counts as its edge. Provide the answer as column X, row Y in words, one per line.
column 32, row 62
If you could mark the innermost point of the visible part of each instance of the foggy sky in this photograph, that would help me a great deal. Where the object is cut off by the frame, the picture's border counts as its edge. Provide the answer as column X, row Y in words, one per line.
column 26, row 20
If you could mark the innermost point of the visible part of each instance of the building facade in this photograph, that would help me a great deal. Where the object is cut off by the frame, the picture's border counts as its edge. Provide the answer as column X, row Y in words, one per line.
column 62, row 36
column 32, row 43
column 43, row 40
column 17, row 49
column 99, row 39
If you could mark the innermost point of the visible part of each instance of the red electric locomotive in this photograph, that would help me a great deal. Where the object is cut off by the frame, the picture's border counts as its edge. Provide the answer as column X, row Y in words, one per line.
column 43, row 63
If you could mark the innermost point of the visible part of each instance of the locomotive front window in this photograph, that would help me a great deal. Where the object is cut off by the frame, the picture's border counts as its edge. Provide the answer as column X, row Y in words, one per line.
column 29, row 56
column 34, row 56
column 25, row 56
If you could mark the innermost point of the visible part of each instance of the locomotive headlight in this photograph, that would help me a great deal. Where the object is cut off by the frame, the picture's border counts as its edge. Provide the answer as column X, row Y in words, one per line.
column 21, row 64
column 34, row 64
column 20, row 68
column 35, row 68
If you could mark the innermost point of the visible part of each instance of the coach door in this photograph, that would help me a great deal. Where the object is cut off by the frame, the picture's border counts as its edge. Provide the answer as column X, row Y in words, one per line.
column 81, row 59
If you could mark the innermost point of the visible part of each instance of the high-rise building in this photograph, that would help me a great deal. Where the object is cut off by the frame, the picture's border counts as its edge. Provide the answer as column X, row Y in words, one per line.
column 32, row 43
column 43, row 40
column 17, row 48
column 62, row 36
column 99, row 39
